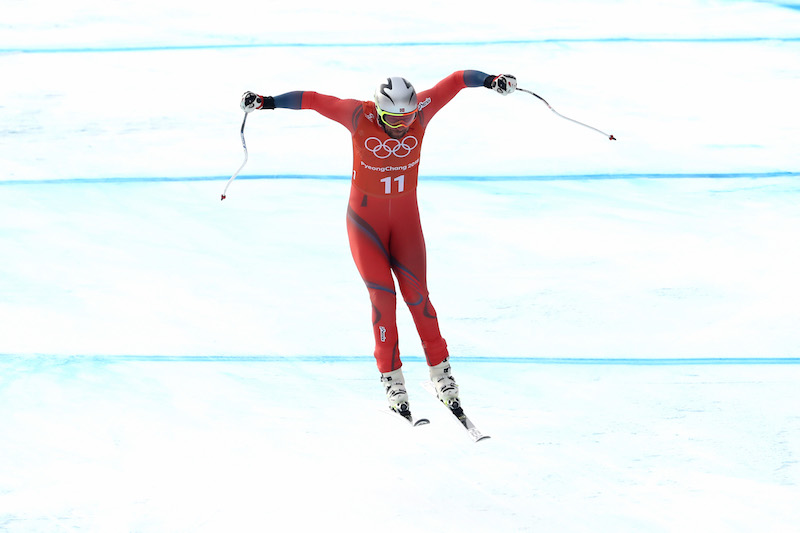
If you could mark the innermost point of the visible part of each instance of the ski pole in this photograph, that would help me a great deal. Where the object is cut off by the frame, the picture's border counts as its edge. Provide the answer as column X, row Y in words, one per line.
column 610, row 137
column 244, row 145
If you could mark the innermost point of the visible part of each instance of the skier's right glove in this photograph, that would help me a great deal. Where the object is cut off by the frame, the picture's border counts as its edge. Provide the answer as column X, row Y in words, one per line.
column 503, row 84
column 252, row 101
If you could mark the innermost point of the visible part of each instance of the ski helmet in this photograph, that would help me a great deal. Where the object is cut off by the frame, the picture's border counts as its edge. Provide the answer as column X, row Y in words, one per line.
column 396, row 97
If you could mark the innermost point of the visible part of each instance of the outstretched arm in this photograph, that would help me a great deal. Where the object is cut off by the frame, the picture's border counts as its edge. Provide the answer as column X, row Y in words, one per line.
column 252, row 101
column 432, row 100
column 337, row 109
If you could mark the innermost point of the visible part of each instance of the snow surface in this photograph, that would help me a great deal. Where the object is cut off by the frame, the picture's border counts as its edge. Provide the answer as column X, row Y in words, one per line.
column 622, row 315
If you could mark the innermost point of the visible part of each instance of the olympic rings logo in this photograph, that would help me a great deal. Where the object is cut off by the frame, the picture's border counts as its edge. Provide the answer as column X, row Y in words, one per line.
column 396, row 147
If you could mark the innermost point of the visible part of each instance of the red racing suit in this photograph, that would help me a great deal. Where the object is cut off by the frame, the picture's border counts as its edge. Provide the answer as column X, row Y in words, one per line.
column 383, row 222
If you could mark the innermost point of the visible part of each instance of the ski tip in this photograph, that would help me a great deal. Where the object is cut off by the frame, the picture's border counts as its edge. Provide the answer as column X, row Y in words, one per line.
column 476, row 435
column 421, row 422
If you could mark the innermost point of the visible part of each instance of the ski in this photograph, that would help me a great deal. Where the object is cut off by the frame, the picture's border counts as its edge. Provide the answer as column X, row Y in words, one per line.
column 414, row 421
column 411, row 419
column 474, row 433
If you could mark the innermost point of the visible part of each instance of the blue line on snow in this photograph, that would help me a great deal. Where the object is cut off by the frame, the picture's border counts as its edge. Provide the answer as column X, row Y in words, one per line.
column 224, row 46
column 577, row 177
column 594, row 361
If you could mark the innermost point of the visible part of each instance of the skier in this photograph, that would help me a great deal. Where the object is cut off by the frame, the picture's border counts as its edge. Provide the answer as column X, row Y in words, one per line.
column 383, row 224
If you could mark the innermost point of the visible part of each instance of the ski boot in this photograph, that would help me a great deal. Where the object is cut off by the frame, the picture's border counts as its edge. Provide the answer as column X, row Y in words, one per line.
column 396, row 391
column 446, row 387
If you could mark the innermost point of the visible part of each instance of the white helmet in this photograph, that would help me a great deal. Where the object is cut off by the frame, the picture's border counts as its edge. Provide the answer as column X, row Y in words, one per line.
column 396, row 95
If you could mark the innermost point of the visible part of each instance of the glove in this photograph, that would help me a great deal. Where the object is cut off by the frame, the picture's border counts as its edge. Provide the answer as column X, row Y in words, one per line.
column 503, row 84
column 252, row 101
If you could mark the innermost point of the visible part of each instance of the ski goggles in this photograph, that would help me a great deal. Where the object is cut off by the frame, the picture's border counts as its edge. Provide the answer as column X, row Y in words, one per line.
column 397, row 120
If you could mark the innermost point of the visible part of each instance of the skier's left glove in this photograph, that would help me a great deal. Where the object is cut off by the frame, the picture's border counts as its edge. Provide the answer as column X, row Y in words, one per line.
column 503, row 84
